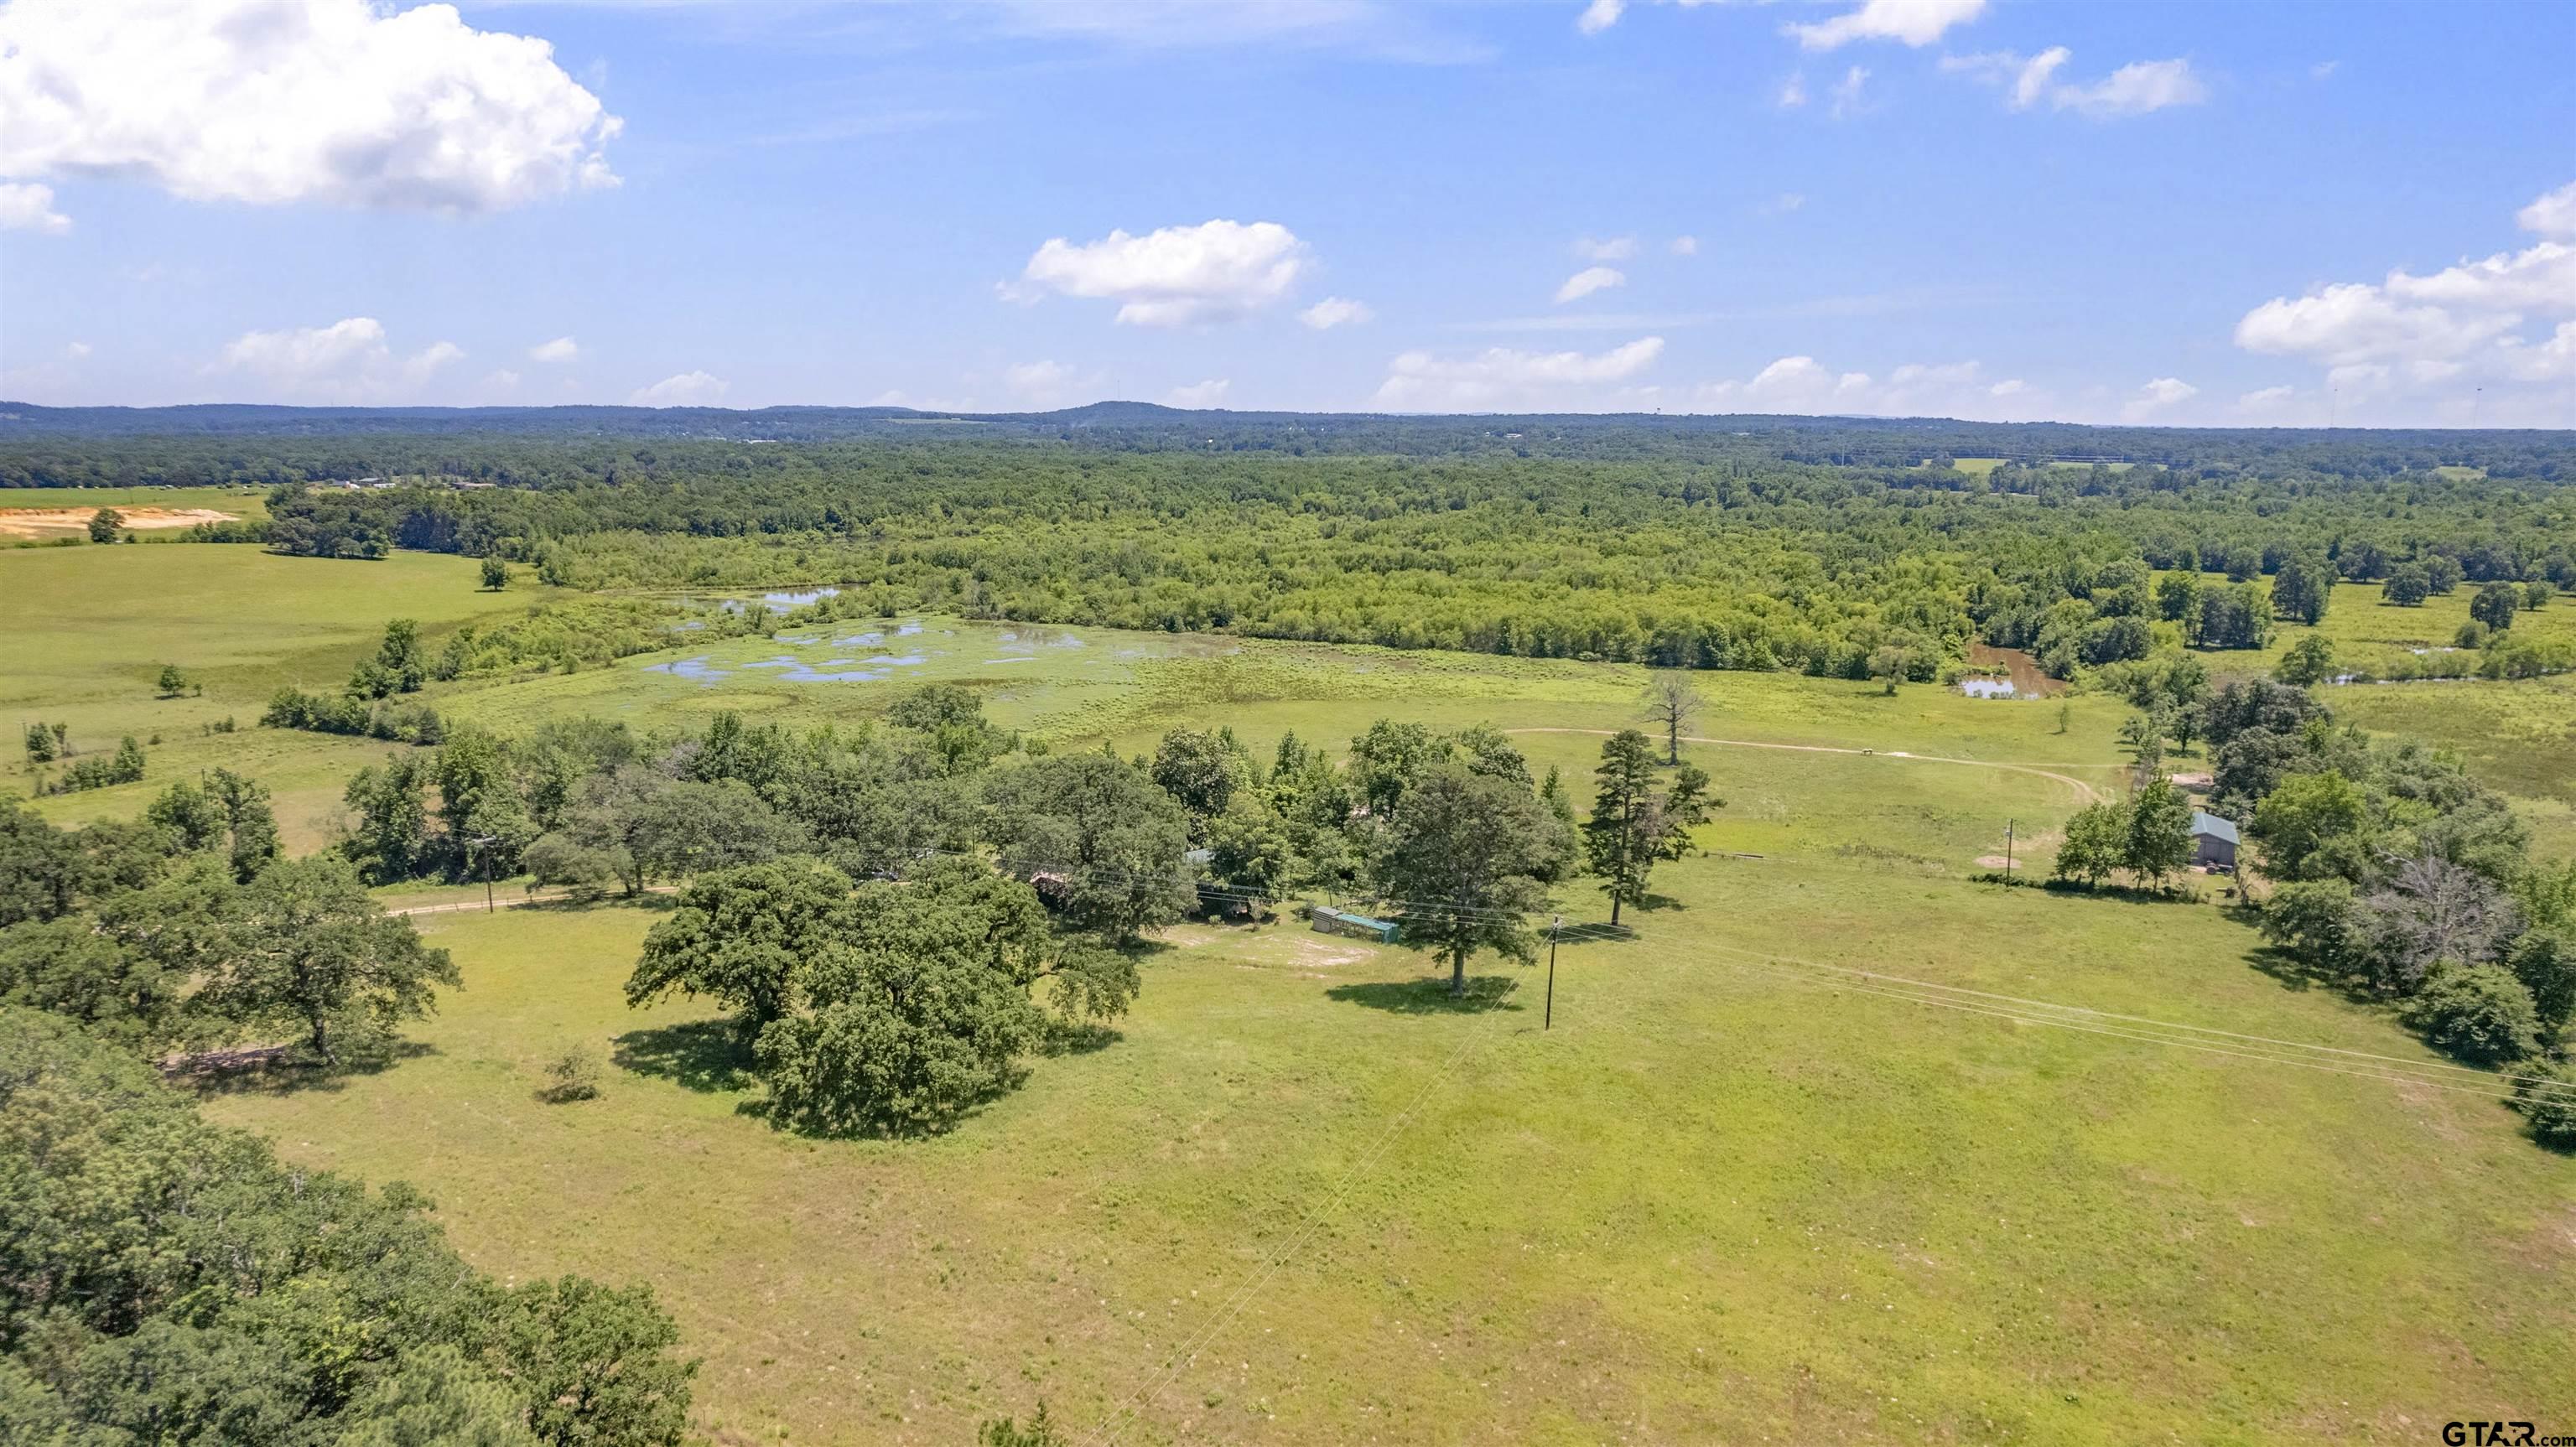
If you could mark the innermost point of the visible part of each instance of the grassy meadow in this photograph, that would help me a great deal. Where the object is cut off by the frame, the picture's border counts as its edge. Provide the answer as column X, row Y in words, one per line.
column 1302, row 1199
column 91, row 627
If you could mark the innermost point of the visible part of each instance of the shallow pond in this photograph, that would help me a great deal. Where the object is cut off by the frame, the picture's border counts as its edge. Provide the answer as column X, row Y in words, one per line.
column 920, row 649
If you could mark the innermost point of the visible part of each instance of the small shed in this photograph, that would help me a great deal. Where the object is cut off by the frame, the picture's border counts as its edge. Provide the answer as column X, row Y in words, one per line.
column 2213, row 841
column 1331, row 921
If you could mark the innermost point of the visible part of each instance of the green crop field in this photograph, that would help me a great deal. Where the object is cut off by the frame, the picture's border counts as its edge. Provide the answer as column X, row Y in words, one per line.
column 1299, row 1198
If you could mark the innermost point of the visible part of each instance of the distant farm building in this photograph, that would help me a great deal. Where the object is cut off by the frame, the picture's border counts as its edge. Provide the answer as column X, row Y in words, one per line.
column 1328, row 920
column 2213, row 841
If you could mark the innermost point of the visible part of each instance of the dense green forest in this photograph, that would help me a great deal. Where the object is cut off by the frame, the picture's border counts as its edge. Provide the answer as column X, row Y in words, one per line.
column 1828, row 546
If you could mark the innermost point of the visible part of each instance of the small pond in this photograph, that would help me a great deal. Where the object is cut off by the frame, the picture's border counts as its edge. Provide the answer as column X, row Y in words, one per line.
column 2023, row 672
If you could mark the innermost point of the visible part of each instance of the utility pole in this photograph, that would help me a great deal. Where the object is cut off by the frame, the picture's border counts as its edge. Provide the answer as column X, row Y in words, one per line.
column 1548, row 1020
column 486, row 856
column 2008, row 843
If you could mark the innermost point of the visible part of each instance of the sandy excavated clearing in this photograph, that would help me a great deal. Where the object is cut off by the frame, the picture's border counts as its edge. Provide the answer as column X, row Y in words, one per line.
column 36, row 522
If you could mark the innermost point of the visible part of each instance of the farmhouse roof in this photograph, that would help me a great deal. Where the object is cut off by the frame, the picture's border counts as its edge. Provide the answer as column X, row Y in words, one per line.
column 2204, row 822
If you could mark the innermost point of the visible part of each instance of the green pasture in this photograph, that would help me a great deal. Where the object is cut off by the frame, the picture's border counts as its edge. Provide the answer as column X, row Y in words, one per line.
column 1301, row 1200
column 2370, row 632
column 242, row 502
column 2367, row 630
column 90, row 628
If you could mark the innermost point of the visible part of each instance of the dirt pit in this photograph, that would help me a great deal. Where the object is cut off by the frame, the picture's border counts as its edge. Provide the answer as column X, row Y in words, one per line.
column 47, row 522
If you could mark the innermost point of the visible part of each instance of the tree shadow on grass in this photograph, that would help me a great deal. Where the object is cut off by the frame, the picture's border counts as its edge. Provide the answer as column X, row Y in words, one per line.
column 1595, row 932
column 1431, row 996
column 2281, row 967
column 2292, row 973
column 2180, row 892
column 282, row 1070
column 700, row 1055
column 1077, row 1037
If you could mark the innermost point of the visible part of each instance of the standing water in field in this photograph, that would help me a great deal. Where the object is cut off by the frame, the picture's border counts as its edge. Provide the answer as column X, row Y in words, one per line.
column 932, row 649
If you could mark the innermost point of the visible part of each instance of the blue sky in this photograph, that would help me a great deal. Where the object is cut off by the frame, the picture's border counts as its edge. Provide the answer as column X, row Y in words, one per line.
column 2193, row 214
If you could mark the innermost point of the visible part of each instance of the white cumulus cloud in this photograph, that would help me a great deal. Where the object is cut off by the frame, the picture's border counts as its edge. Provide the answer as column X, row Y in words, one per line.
column 683, row 389
column 1336, row 311
column 2264, row 401
column 1915, row 22
column 1589, row 280
column 1047, row 384
column 26, row 206
column 1615, row 248
column 2554, row 214
column 2133, row 90
column 1684, row 246
column 347, row 361
column 1801, row 384
column 343, row 102
column 1177, row 276
column 561, row 349
column 1504, row 377
column 1210, row 393
column 2418, row 345
column 1600, row 15
column 2156, row 397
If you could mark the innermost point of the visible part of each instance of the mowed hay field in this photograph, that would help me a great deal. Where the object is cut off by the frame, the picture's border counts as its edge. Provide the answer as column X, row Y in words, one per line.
column 1730, row 1196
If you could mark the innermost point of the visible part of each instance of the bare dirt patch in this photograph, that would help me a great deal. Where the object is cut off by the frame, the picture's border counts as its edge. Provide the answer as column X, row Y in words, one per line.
column 39, row 522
